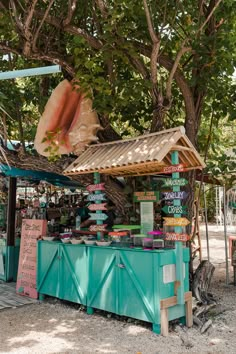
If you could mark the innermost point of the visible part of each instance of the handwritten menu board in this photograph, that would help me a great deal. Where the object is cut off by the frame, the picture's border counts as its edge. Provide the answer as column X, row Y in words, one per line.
column 26, row 278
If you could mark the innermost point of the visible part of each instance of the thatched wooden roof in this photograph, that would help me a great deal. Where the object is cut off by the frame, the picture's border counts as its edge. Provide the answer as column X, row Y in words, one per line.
column 146, row 154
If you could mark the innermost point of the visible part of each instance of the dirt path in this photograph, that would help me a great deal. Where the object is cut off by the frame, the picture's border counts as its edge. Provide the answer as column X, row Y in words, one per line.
column 56, row 327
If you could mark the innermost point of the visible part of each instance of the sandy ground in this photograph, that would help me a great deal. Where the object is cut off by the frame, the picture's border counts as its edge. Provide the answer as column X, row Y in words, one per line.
column 59, row 327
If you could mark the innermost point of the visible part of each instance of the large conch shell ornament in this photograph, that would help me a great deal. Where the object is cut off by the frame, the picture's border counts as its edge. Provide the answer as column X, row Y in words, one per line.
column 68, row 123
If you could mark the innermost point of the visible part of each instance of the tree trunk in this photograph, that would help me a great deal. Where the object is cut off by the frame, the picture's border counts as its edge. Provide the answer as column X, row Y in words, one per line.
column 161, row 106
column 201, row 282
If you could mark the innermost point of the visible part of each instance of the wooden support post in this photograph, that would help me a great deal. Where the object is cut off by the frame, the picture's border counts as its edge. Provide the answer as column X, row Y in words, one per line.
column 189, row 312
column 173, row 301
column 164, row 322
column 11, row 212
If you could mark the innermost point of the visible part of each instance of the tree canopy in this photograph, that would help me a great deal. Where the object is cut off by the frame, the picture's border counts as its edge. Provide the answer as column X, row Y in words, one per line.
column 151, row 64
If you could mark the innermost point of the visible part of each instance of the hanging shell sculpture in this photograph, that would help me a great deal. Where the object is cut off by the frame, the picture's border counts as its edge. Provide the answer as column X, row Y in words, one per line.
column 68, row 123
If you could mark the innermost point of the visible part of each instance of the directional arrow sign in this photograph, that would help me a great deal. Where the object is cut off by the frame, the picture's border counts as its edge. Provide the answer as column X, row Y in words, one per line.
column 171, row 182
column 94, row 207
column 98, row 228
column 174, row 195
column 173, row 168
column 176, row 221
column 171, row 236
column 121, row 233
column 96, row 187
column 173, row 209
column 155, row 233
column 97, row 216
column 93, row 197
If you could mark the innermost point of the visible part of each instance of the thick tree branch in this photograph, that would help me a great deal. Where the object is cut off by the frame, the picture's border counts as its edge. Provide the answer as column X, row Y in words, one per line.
column 151, row 30
column 156, row 44
column 2, row 6
column 4, row 48
column 182, row 51
column 50, row 57
column 19, row 24
column 139, row 65
column 92, row 41
column 102, row 7
column 55, row 59
column 71, row 10
column 29, row 18
column 35, row 37
column 209, row 16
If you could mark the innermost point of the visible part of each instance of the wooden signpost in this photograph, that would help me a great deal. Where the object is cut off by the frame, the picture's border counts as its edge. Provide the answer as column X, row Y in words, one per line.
column 95, row 197
column 172, row 236
column 169, row 182
column 94, row 207
column 97, row 216
column 176, row 221
column 96, row 187
column 98, row 228
column 147, row 196
column 174, row 209
column 174, row 195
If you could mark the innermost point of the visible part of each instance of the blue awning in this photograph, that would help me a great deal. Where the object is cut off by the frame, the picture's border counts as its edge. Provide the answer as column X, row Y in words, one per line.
column 50, row 177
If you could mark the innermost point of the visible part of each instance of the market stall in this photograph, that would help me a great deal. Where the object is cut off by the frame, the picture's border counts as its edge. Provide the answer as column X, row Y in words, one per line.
column 147, row 280
column 15, row 207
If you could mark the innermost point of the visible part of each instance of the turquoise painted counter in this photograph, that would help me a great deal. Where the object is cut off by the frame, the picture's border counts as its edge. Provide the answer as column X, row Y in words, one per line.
column 125, row 281
column 62, row 271
column 9, row 258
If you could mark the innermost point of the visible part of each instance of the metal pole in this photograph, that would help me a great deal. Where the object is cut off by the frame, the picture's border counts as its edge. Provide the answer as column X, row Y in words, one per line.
column 206, row 223
column 220, row 207
column 225, row 234
column 44, row 70
column 217, row 207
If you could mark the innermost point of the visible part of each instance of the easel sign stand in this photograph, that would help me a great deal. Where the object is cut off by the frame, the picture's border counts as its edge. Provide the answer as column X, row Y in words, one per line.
column 180, row 297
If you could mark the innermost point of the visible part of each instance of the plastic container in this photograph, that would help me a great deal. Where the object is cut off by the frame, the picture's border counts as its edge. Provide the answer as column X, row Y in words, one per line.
column 158, row 243
column 148, row 242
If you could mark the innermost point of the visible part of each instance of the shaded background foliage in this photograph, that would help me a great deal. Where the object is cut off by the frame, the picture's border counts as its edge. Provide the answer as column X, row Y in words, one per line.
column 151, row 65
